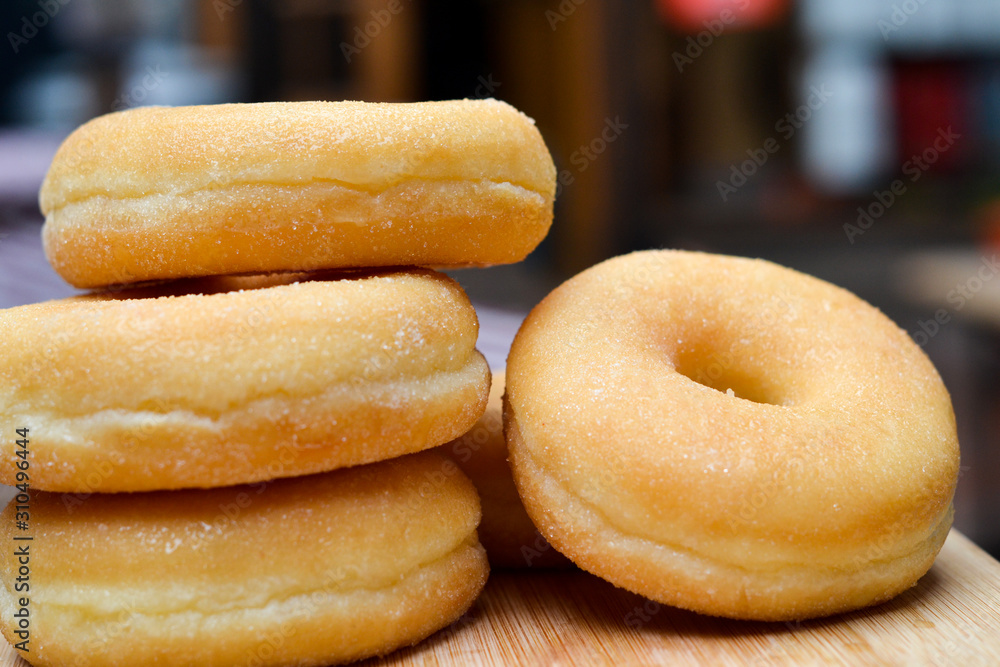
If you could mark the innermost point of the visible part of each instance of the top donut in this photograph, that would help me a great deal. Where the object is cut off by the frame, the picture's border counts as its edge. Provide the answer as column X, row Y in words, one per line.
column 159, row 193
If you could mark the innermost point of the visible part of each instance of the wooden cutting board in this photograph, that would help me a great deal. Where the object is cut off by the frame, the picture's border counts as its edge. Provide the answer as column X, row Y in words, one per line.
column 952, row 617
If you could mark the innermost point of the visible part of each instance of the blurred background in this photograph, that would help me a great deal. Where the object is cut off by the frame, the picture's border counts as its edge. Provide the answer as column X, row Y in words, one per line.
column 856, row 140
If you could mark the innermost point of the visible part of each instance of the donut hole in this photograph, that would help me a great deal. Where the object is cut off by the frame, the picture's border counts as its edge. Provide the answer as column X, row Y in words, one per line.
column 721, row 370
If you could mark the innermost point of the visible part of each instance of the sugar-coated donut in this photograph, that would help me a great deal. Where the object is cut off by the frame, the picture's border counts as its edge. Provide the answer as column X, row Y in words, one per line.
column 305, row 571
column 242, row 379
column 510, row 539
column 731, row 437
column 155, row 193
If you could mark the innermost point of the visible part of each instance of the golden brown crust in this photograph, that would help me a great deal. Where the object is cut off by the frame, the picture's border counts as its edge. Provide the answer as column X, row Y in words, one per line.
column 307, row 571
column 822, row 484
column 228, row 385
column 506, row 531
column 156, row 193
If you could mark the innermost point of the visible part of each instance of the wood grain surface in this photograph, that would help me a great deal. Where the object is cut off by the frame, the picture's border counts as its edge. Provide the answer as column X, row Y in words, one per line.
column 952, row 617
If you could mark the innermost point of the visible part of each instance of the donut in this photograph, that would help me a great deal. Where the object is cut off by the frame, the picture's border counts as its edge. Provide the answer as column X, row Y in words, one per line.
column 730, row 437
column 236, row 380
column 156, row 193
column 510, row 539
column 311, row 570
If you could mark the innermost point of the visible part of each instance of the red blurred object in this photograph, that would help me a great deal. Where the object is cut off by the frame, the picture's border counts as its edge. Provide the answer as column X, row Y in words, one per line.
column 932, row 102
column 694, row 16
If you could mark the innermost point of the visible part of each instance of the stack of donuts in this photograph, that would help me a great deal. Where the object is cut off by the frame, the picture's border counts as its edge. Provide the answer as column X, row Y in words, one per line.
column 227, row 434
